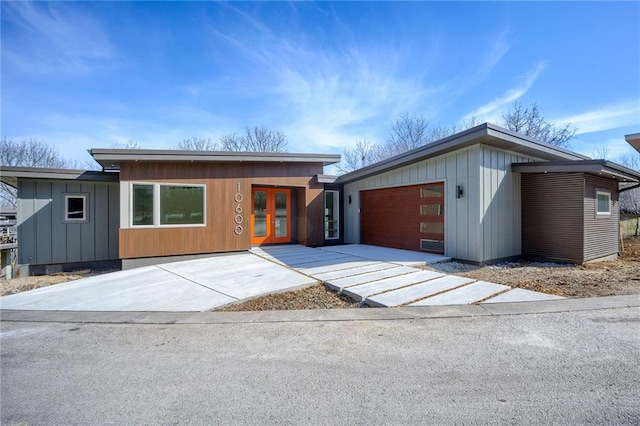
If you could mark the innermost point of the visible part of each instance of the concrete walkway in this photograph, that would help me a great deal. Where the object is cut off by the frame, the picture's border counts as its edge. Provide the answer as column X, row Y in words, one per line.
column 187, row 286
column 385, row 277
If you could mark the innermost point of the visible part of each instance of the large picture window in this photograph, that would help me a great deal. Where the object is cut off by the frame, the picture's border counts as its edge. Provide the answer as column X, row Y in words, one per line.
column 603, row 203
column 167, row 205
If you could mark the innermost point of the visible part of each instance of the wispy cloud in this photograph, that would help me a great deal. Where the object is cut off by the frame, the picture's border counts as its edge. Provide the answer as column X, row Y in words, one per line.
column 330, row 96
column 492, row 111
column 625, row 113
column 53, row 37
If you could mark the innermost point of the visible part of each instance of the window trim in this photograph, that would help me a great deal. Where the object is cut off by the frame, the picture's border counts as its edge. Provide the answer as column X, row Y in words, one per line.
column 85, row 212
column 336, row 205
column 608, row 195
column 156, row 205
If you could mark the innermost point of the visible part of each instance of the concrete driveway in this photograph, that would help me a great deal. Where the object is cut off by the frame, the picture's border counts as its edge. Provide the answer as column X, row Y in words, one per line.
column 377, row 276
column 188, row 286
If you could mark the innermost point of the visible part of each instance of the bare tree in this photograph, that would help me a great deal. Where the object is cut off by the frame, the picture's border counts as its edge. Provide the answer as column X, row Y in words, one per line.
column 529, row 122
column 129, row 144
column 407, row 132
column 28, row 153
column 602, row 152
column 630, row 200
column 361, row 155
column 198, row 144
column 231, row 142
column 255, row 139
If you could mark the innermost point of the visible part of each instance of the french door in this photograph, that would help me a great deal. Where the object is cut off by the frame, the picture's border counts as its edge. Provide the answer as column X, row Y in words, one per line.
column 270, row 216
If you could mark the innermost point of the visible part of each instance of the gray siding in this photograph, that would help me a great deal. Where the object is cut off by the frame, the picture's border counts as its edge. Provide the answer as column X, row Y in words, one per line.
column 484, row 224
column 552, row 216
column 601, row 233
column 500, row 204
column 44, row 237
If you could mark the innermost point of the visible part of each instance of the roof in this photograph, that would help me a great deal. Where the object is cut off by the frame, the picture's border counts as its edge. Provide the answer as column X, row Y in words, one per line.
column 633, row 140
column 487, row 133
column 110, row 159
column 594, row 167
column 10, row 175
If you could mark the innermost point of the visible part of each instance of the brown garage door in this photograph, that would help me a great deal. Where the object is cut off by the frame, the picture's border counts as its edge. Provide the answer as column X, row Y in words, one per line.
column 407, row 217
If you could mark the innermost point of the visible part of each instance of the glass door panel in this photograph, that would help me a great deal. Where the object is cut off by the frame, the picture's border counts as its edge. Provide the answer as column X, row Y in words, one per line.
column 260, row 214
column 271, row 216
column 282, row 214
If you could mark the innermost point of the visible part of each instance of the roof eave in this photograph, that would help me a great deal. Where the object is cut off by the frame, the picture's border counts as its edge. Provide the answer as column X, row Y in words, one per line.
column 10, row 175
column 486, row 133
column 111, row 158
column 633, row 140
column 596, row 167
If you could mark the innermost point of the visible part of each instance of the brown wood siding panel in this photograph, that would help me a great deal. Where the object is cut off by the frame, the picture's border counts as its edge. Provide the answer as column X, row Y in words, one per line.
column 221, row 180
column 390, row 217
column 600, row 233
column 552, row 216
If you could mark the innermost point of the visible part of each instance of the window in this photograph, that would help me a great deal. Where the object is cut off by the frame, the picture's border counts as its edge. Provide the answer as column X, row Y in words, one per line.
column 75, row 208
column 603, row 203
column 142, row 205
column 331, row 215
column 181, row 205
column 167, row 205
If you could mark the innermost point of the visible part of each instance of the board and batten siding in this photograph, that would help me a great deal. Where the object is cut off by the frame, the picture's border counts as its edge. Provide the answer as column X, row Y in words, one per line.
column 482, row 225
column 552, row 216
column 500, row 204
column 44, row 236
column 601, row 233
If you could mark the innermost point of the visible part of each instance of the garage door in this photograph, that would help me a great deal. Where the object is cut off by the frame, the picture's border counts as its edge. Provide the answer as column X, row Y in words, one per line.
column 407, row 217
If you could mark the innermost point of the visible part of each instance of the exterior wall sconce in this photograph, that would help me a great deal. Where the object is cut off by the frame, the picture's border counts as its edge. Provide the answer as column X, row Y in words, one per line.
column 349, row 199
column 459, row 191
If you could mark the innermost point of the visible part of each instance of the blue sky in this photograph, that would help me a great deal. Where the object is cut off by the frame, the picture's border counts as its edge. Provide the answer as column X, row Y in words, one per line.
column 84, row 75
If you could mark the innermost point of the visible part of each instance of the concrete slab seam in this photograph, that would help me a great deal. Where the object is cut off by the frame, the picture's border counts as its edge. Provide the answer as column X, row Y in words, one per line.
column 195, row 282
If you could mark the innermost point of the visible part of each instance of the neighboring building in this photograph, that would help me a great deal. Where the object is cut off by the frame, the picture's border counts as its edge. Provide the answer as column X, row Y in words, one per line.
column 8, row 241
column 480, row 196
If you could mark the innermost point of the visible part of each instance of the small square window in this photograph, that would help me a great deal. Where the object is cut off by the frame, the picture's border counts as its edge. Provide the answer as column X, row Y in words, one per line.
column 603, row 203
column 75, row 208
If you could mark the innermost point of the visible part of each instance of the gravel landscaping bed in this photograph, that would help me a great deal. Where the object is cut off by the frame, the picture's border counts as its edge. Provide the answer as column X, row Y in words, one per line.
column 314, row 297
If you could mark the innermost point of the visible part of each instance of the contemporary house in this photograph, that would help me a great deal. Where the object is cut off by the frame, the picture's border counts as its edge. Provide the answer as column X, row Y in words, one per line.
column 482, row 195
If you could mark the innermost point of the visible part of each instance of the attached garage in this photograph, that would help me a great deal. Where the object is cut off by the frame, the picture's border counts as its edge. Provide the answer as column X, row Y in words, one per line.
column 478, row 196
column 407, row 217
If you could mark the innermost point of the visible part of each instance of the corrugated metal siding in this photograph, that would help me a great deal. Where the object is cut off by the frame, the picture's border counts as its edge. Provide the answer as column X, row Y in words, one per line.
column 601, row 233
column 482, row 225
column 44, row 237
column 552, row 216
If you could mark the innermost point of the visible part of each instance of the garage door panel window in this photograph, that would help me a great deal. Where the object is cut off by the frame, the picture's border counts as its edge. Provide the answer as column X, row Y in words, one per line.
column 432, row 191
column 432, row 209
column 167, row 205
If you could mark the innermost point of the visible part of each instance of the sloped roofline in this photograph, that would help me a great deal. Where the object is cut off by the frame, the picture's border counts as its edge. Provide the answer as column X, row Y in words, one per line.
column 10, row 175
column 110, row 159
column 486, row 133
